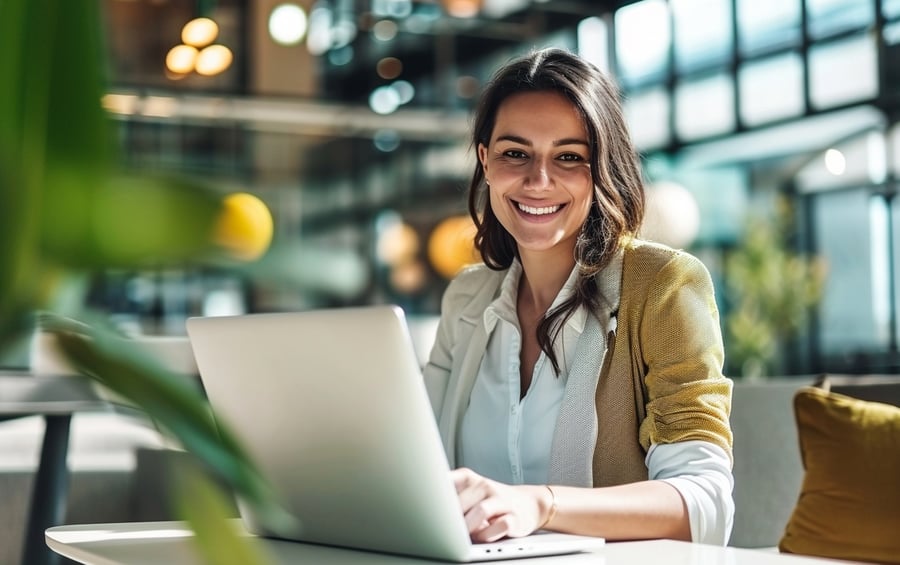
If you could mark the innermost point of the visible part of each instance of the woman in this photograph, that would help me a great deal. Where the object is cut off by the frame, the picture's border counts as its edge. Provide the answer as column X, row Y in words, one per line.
column 577, row 375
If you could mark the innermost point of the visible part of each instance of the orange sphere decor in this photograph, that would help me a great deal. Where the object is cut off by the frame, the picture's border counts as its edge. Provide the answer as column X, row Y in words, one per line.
column 451, row 246
column 245, row 227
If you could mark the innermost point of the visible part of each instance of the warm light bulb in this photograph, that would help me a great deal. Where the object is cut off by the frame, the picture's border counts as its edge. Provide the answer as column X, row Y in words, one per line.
column 213, row 60
column 287, row 24
column 181, row 59
column 199, row 32
column 462, row 8
column 451, row 246
column 835, row 162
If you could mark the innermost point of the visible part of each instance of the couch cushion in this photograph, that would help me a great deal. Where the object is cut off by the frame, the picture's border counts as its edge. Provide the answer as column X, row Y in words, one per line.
column 849, row 504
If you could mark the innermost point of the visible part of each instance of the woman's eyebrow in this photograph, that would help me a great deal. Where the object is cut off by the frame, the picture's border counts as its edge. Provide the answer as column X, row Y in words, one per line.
column 557, row 143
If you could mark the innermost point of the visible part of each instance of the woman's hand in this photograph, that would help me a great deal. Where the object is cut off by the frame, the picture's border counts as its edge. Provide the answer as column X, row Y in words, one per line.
column 494, row 510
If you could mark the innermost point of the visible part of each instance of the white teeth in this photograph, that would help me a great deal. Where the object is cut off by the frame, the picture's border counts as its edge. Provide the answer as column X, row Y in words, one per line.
column 538, row 211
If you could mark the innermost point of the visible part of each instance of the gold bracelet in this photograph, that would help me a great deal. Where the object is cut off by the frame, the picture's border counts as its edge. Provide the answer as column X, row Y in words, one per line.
column 553, row 508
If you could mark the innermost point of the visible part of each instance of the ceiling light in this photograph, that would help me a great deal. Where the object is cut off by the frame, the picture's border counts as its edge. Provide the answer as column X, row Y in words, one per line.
column 287, row 24
column 386, row 140
column 405, row 91
column 213, row 60
column 384, row 30
column 199, row 32
column 835, row 162
column 384, row 100
column 319, row 39
column 462, row 8
column 389, row 68
column 181, row 58
column 341, row 56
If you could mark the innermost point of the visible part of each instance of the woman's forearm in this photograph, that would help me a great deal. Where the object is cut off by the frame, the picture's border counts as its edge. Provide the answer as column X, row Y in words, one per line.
column 643, row 510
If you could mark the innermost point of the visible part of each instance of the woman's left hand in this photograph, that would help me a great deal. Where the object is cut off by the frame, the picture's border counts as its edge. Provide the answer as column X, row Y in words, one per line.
column 495, row 510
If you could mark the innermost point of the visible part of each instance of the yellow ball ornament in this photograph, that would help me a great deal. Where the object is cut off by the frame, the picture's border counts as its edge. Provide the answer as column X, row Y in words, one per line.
column 452, row 246
column 245, row 227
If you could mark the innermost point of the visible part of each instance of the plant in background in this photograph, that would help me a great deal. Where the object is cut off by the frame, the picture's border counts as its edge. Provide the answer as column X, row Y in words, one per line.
column 771, row 289
column 67, row 211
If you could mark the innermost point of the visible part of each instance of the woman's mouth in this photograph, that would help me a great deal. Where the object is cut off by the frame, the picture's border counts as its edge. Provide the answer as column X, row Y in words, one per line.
column 538, row 210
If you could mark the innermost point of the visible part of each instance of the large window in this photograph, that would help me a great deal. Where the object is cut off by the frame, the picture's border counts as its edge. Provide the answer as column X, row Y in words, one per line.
column 702, row 33
column 843, row 71
column 643, row 40
column 768, row 24
column 830, row 17
column 771, row 89
column 648, row 116
column 704, row 107
column 849, row 229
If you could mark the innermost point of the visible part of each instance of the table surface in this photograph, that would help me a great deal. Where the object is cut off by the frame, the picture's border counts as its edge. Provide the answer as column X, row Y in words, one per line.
column 23, row 394
column 143, row 543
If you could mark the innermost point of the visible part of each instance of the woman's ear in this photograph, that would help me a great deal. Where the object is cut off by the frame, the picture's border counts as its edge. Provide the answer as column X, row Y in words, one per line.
column 482, row 158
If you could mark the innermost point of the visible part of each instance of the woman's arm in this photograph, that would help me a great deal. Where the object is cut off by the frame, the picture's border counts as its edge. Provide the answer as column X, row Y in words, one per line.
column 647, row 509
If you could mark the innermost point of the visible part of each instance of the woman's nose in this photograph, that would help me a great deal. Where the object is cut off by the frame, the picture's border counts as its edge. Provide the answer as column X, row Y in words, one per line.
column 539, row 175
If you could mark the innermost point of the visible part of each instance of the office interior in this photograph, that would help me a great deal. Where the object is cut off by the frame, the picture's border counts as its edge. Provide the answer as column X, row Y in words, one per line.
column 766, row 123
column 768, row 132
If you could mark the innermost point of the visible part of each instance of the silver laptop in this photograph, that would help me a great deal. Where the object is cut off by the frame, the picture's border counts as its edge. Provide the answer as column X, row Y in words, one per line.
column 332, row 407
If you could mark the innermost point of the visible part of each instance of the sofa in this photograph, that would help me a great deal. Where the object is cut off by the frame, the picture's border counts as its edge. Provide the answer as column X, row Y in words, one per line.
column 768, row 472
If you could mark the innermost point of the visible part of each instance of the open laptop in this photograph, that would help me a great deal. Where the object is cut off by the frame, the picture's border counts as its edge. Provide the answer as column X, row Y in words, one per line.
column 332, row 407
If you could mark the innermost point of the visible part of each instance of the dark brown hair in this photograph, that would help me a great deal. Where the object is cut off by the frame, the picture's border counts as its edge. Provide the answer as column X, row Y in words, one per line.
column 618, row 202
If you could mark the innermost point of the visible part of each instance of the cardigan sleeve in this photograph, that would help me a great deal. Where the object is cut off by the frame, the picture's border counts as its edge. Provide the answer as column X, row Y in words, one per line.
column 688, row 397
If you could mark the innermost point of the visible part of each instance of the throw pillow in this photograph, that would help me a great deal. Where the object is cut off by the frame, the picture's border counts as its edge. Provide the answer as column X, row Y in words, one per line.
column 849, row 504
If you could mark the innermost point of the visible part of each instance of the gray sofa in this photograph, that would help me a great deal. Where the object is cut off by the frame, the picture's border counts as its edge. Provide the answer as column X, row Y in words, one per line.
column 767, row 469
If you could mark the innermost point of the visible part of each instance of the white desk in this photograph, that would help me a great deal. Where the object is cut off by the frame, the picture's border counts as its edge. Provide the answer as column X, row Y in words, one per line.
column 145, row 543
column 56, row 399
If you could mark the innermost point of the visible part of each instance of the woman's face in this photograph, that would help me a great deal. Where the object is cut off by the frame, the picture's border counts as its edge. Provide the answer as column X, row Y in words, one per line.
column 537, row 165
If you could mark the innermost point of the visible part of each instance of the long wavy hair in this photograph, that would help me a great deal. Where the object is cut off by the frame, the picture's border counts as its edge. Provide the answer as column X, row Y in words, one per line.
column 618, row 200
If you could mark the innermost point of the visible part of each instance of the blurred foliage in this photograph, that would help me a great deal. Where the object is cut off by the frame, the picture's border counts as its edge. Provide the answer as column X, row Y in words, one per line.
column 771, row 289
column 66, row 211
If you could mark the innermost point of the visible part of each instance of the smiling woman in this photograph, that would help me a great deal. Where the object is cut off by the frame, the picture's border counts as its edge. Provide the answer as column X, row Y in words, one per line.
column 537, row 164
column 577, row 375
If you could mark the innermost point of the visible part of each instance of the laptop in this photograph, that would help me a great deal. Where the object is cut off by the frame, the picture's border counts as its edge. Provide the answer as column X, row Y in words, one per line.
column 332, row 407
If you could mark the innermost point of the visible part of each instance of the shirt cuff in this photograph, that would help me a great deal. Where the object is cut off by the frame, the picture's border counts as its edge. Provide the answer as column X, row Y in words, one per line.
column 701, row 472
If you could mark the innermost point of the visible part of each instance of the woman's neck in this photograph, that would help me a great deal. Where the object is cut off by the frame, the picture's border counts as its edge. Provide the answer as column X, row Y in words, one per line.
column 543, row 275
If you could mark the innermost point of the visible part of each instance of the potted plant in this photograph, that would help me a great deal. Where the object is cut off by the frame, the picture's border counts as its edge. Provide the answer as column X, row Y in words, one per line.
column 67, row 211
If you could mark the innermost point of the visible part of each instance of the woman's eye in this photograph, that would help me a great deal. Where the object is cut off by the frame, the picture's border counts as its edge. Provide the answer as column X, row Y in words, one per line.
column 514, row 154
column 571, row 157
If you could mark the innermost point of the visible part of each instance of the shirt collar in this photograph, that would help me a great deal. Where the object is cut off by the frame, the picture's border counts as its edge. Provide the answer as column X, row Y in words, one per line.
column 504, row 306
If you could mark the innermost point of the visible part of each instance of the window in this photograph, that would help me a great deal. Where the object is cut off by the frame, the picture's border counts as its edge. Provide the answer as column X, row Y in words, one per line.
column 703, row 34
column 890, row 8
column 648, row 117
column 768, row 24
column 704, row 107
column 771, row 89
column 843, row 71
column 829, row 17
column 849, row 229
column 643, row 39
column 592, row 42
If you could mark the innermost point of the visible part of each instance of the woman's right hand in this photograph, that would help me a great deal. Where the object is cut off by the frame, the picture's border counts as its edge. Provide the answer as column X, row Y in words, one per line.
column 494, row 510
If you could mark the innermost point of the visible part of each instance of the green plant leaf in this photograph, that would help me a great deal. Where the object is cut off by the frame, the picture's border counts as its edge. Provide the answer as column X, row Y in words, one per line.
column 202, row 504
column 174, row 402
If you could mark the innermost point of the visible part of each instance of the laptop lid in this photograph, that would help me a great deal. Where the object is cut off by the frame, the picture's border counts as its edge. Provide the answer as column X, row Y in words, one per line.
column 332, row 407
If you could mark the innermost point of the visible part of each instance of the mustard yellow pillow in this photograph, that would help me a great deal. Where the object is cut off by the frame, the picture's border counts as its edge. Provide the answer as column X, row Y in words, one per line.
column 849, row 504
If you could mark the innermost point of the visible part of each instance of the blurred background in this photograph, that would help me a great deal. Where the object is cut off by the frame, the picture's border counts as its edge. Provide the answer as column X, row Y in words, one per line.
column 766, row 129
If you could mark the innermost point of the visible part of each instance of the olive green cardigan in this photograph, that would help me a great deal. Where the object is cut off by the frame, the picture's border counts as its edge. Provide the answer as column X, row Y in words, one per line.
column 661, row 380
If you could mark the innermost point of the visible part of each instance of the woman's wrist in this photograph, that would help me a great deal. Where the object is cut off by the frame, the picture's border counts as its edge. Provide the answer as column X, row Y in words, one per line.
column 551, row 508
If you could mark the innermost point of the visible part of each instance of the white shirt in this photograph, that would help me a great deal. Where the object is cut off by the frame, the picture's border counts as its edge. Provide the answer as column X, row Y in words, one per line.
column 509, row 440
